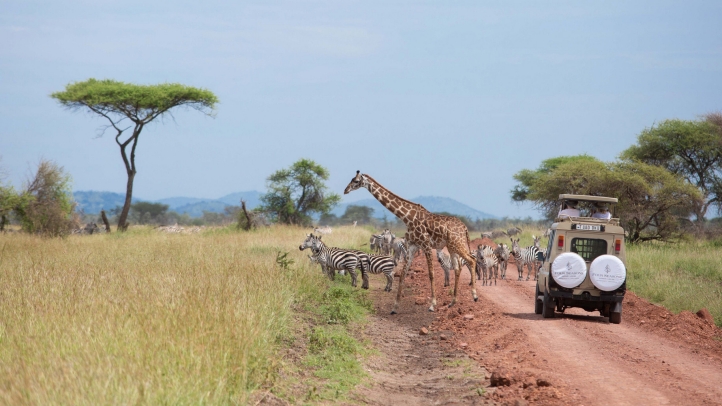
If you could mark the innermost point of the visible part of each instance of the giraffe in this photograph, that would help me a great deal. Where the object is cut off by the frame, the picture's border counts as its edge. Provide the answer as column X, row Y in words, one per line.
column 426, row 231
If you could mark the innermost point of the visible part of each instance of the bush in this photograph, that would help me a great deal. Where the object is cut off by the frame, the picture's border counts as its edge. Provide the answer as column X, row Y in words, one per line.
column 46, row 206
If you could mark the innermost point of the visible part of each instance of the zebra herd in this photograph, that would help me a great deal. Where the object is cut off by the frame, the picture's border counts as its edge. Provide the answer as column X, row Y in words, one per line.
column 491, row 263
column 334, row 259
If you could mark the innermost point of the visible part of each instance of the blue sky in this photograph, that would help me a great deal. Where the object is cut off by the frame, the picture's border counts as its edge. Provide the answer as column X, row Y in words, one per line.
column 430, row 98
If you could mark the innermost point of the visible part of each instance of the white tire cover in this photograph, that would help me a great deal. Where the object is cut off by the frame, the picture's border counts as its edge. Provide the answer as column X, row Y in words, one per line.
column 607, row 272
column 569, row 270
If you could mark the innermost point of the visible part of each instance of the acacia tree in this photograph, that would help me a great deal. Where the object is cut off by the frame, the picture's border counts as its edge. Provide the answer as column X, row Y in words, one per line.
column 135, row 105
column 691, row 149
column 527, row 178
column 653, row 202
column 297, row 192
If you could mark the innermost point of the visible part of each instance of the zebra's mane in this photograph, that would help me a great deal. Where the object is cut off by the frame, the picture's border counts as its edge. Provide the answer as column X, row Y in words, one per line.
column 397, row 196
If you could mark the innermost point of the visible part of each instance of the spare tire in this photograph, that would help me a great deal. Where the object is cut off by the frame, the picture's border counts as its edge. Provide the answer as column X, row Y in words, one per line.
column 607, row 272
column 569, row 270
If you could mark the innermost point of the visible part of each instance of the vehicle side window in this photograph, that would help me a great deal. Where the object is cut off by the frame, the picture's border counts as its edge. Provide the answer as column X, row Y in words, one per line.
column 550, row 245
column 589, row 248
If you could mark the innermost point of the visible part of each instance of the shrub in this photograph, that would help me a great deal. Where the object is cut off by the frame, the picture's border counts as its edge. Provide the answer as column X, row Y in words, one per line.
column 46, row 206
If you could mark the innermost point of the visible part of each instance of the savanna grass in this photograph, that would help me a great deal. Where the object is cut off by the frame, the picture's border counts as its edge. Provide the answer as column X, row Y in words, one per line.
column 682, row 276
column 149, row 317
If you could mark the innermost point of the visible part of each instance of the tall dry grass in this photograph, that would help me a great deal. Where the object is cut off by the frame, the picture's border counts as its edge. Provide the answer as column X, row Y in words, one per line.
column 149, row 317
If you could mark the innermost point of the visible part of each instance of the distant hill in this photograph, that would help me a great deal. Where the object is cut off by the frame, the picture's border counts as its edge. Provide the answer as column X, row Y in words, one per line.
column 252, row 198
column 91, row 202
column 432, row 203
column 197, row 209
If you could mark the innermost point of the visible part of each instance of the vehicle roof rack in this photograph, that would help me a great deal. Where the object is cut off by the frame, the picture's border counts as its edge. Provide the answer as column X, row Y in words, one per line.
column 587, row 198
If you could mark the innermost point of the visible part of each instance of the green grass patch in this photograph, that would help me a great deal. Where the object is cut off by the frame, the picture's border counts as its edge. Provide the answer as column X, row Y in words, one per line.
column 682, row 276
column 334, row 351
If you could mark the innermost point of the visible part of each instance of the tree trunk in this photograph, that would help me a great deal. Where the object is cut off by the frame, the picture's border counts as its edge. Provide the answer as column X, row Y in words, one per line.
column 248, row 218
column 122, row 224
column 105, row 221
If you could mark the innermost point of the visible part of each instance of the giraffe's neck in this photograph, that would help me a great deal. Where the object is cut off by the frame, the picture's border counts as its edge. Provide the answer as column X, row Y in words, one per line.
column 402, row 208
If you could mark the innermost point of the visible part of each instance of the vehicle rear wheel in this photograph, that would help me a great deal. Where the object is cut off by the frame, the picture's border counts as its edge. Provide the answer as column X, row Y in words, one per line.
column 547, row 306
column 615, row 317
column 538, row 304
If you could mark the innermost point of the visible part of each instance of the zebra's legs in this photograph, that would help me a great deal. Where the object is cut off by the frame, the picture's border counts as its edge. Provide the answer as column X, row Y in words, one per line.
column 352, row 271
column 407, row 265
column 364, row 275
column 471, row 263
column 389, row 282
column 446, row 270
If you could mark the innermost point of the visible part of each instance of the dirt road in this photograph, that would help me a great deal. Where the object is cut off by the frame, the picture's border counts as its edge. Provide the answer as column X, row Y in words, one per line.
column 577, row 358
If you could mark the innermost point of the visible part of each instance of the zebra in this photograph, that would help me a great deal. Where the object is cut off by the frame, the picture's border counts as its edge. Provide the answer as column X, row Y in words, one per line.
column 375, row 243
column 332, row 259
column 323, row 230
column 526, row 257
column 494, row 234
column 445, row 262
column 381, row 264
column 502, row 256
column 398, row 245
column 386, row 238
column 487, row 264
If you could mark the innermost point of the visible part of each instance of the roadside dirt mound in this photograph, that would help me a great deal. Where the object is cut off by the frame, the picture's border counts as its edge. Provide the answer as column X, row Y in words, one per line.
column 686, row 328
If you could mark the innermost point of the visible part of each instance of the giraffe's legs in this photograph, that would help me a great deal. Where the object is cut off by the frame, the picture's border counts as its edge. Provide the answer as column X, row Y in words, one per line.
column 407, row 265
column 430, row 264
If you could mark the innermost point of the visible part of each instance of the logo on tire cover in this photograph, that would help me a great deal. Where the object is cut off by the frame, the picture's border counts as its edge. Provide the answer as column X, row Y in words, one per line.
column 606, row 269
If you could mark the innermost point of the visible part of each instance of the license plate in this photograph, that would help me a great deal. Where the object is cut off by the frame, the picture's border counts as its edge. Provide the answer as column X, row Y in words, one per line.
column 588, row 227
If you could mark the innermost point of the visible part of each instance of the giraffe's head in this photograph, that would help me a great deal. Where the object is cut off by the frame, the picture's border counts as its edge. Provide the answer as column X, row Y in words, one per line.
column 358, row 181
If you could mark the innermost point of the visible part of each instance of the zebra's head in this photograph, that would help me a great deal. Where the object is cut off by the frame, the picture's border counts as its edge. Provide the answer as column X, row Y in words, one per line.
column 537, row 241
column 358, row 181
column 316, row 244
column 308, row 242
column 515, row 246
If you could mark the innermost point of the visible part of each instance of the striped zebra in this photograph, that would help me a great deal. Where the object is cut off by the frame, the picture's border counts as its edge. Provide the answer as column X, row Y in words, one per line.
column 375, row 243
column 526, row 257
column 333, row 259
column 502, row 256
column 445, row 262
column 398, row 245
column 487, row 264
column 381, row 264
column 386, row 238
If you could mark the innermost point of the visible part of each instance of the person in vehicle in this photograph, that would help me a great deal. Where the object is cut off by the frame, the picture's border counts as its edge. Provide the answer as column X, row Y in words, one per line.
column 569, row 209
column 601, row 212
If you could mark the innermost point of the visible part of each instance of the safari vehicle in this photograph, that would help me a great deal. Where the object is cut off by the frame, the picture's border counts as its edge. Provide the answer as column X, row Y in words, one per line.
column 585, row 261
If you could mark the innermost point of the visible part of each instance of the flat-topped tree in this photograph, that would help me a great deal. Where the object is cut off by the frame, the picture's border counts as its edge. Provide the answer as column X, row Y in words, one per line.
column 129, row 106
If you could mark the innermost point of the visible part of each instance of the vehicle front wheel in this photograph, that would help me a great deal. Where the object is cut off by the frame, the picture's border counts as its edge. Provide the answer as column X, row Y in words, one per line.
column 538, row 304
column 548, row 306
column 615, row 317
